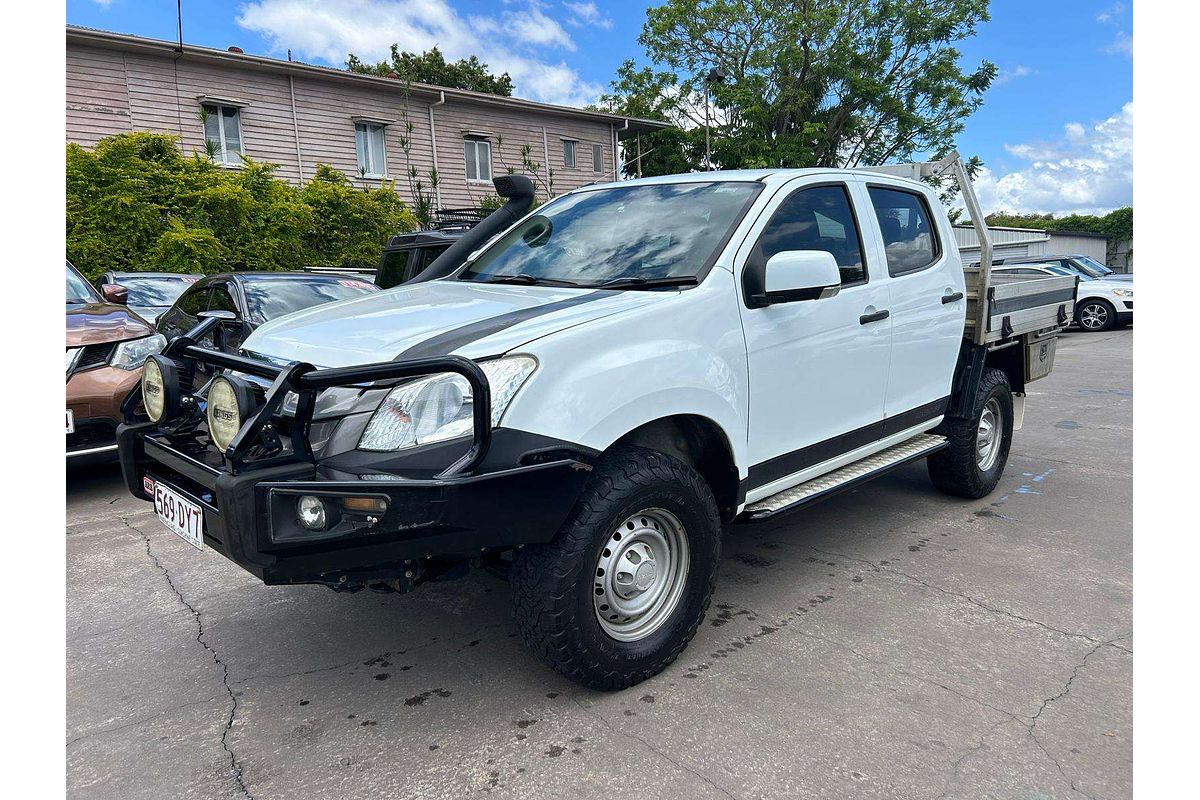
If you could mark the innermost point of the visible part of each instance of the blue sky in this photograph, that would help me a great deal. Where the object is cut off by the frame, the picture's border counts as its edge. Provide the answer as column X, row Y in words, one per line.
column 1055, row 131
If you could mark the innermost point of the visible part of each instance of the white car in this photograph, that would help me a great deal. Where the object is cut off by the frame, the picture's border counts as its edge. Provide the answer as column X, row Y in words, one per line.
column 1102, row 303
column 587, row 396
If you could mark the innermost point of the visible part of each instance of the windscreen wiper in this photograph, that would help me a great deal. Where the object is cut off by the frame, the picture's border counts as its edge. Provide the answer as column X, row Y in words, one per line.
column 525, row 279
column 647, row 283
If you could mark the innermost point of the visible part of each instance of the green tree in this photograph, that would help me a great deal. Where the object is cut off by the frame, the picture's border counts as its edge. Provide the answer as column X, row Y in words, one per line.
column 651, row 94
column 815, row 82
column 432, row 67
column 137, row 203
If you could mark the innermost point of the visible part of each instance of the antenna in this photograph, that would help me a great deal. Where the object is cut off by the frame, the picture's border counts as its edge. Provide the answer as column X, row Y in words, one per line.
column 179, row 19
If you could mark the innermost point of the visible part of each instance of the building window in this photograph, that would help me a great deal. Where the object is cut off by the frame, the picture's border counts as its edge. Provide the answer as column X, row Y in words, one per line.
column 479, row 159
column 569, row 152
column 223, row 128
column 372, row 153
column 597, row 158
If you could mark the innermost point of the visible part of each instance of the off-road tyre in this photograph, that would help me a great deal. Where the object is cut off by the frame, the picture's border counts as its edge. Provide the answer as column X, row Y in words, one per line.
column 553, row 584
column 955, row 469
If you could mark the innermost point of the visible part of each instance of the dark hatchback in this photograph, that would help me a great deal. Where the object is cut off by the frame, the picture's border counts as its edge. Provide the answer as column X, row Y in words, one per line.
column 248, row 299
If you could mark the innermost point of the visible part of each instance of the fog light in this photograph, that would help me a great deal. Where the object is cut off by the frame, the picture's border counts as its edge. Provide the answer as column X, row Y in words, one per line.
column 365, row 505
column 311, row 512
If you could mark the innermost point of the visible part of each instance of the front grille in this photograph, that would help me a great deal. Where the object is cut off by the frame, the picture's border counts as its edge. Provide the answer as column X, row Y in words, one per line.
column 94, row 355
column 92, row 433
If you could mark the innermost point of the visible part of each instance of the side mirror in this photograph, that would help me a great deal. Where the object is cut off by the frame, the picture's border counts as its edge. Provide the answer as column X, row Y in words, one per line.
column 114, row 293
column 794, row 275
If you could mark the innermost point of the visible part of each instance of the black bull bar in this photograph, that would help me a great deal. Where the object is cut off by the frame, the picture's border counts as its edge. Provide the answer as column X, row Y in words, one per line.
column 305, row 381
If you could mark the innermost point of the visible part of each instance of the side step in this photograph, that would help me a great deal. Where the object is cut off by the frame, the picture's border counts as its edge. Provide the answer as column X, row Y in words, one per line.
column 843, row 478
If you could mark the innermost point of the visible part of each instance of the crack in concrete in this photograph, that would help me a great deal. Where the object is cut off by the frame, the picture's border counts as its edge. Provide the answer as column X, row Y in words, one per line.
column 974, row 601
column 958, row 762
column 135, row 723
column 234, row 764
column 587, row 709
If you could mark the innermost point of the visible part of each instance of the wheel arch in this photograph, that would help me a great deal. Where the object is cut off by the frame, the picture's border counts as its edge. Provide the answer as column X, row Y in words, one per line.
column 699, row 442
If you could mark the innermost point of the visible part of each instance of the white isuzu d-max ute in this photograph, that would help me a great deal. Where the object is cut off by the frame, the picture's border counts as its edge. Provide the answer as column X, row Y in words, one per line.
column 581, row 396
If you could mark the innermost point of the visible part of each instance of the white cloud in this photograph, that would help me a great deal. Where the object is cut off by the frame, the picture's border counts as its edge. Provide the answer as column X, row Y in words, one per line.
column 1006, row 75
column 516, row 40
column 1087, row 171
column 587, row 14
column 1122, row 45
column 1111, row 13
column 103, row 3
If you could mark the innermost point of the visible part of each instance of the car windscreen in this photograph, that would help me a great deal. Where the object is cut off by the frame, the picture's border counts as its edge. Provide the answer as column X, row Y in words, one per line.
column 268, row 298
column 1092, row 267
column 669, row 230
column 159, row 290
column 79, row 291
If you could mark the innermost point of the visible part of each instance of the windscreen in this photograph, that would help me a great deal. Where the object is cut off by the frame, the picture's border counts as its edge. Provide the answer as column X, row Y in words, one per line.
column 1093, row 267
column 642, row 232
column 79, row 291
column 268, row 298
column 155, row 291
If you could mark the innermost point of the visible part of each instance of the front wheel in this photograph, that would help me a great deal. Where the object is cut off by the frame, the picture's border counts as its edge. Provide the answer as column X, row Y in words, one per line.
column 1096, row 315
column 621, row 590
column 977, row 448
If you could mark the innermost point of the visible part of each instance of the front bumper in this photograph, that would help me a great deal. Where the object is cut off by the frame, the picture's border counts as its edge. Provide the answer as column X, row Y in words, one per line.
column 508, row 488
column 94, row 398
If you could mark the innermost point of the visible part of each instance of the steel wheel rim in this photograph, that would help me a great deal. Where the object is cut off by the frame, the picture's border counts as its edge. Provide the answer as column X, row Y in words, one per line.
column 988, row 435
column 1093, row 316
column 640, row 574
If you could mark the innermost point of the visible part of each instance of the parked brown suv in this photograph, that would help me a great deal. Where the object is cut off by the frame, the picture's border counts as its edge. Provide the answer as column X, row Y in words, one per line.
column 106, row 347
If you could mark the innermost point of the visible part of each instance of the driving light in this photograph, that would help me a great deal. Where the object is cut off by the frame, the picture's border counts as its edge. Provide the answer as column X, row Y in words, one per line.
column 311, row 512
column 160, row 388
column 230, row 401
column 440, row 407
column 133, row 353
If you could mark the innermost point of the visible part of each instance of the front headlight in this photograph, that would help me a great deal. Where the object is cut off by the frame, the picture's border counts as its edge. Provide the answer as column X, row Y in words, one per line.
column 439, row 407
column 133, row 353
column 1127, row 293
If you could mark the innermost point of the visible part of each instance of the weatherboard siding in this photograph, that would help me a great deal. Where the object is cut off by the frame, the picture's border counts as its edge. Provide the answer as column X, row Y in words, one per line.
column 111, row 90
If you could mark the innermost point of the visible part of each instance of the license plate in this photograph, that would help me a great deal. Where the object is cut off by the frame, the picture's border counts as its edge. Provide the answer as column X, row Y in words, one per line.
column 184, row 518
column 70, row 421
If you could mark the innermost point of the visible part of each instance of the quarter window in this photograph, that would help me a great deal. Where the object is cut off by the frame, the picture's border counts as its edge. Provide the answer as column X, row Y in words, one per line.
column 908, row 237
column 569, row 152
column 223, row 130
column 817, row 218
column 597, row 158
column 479, row 159
column 372, row 155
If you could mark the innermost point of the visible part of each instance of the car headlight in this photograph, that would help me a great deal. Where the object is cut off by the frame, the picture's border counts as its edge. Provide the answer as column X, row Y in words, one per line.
column 439, row 407
column 230, row 400
column 1123, row 292
column 133, row 353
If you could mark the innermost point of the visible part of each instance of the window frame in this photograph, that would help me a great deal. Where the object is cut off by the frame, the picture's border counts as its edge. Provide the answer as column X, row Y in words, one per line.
column 938, row 251
column 597, row 159
column 574, row 162
column 366, row 126
column 756, row 248
column 217, row 109
column 475, row 142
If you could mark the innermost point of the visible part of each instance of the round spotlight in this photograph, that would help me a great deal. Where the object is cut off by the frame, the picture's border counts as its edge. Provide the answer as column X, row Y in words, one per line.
column 160, row 388
column 230, row 401
column 311, row 512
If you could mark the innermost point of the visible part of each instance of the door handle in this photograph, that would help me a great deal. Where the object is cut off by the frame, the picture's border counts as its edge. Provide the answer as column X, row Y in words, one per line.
column 952, row 298
column 868, row 318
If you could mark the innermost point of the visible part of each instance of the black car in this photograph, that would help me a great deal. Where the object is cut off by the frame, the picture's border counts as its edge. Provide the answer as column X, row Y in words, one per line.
column 149, row 294
column 252, row 298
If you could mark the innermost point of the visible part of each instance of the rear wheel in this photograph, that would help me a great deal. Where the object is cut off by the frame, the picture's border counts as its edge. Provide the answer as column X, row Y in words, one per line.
column 1096, row 315
column 621, row 590
column 977, row 448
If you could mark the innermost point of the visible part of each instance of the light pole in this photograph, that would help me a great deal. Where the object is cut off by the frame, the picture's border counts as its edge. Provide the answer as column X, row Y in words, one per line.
column 714, row 76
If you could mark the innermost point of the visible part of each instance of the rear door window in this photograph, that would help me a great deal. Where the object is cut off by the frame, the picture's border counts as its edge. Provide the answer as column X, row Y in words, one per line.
column 909, row 238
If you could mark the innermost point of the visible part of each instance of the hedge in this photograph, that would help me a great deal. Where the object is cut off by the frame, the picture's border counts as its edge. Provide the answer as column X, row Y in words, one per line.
column 137, row 203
